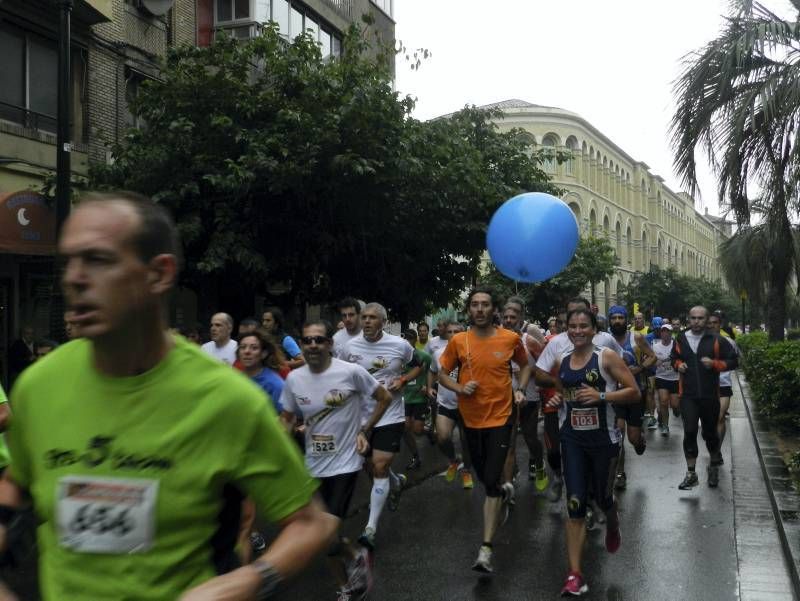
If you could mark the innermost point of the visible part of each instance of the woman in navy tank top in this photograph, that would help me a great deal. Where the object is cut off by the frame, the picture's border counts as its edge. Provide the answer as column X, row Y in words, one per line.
column 590, row 381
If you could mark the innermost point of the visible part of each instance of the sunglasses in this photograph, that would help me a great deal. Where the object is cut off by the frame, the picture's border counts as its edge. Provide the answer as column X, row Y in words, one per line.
column 314, row 339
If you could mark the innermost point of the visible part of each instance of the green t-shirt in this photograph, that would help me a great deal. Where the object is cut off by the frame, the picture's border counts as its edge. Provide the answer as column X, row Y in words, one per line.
column 4, row 456
column 412, row 391
column 128, row 475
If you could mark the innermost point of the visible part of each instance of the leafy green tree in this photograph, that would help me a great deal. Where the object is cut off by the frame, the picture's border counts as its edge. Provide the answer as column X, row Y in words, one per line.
column 666, row 292
column 287, row 171
column 739, row 100
column 594, row 261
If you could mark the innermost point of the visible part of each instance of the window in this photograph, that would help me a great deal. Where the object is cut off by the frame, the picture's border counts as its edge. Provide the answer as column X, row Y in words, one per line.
column 280, row 14
column 386, row 6
column 133, row 82
column 295, row 22
column 232, row 10
column 29, row 76
column 325, row 43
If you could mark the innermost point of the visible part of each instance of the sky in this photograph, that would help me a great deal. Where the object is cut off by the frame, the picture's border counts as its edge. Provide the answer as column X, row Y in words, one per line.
column 613, row 63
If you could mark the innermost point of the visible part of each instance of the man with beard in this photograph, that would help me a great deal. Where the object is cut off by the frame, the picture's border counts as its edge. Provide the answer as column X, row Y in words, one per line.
column 639, row 358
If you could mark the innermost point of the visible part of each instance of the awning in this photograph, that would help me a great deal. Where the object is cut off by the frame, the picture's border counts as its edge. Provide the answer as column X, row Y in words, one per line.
column 27, row 224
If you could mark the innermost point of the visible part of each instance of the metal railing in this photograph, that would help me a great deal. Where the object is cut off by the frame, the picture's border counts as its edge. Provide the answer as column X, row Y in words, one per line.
column 27, row 118
column 343, row 7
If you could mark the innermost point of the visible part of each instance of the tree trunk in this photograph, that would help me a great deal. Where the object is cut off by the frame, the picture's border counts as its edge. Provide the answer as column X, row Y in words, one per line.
column 592, row 289
column 781, row 260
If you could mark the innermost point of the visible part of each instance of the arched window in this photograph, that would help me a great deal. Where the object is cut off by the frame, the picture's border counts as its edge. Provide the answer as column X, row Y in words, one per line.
column 628, row 245
column 572, row 146
column 549, row 143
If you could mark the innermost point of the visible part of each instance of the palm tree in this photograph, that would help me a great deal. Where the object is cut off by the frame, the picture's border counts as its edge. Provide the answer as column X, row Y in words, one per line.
column 738, row 99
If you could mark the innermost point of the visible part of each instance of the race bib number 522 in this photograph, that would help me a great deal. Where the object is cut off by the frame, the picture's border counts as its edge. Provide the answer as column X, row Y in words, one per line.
column 106, row 515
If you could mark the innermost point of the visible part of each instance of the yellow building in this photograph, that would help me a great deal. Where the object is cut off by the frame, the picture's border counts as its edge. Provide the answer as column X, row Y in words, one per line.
column 614, row 194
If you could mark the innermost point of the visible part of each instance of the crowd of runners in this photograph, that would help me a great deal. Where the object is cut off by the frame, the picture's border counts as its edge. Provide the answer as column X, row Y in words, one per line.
column 146, row 456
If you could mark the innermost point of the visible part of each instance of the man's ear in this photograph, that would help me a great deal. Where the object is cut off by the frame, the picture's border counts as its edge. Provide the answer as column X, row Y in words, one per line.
column 163, row 271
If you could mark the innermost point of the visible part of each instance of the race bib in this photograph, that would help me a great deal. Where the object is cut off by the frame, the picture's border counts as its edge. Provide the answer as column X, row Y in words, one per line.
column 323, row 444
column 585, row 418
column 106, row 515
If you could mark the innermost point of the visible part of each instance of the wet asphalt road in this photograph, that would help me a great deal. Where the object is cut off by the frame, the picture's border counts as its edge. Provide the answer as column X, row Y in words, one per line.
column 675, row 544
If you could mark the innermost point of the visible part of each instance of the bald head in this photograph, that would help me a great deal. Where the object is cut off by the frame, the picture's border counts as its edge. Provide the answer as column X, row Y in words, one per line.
column 698, row 316
column 221, row 328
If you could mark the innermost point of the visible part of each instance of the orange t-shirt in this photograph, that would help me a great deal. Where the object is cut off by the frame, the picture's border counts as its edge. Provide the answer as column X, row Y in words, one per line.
column 485, row 360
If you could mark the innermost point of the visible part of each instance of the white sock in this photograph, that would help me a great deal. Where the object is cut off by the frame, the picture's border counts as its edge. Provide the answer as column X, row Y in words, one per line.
column 377, row 499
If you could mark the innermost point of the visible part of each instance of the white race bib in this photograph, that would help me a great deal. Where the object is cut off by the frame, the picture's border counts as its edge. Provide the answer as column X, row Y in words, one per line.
column 106, row 515
column 323, row 444
column 585, row 419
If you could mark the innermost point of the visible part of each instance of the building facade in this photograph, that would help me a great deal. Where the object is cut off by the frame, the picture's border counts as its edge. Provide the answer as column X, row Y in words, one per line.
column 615, row 195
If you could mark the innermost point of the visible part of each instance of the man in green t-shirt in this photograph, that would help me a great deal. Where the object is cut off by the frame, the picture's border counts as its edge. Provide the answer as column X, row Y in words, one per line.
column 135, row 448
column 415, row 399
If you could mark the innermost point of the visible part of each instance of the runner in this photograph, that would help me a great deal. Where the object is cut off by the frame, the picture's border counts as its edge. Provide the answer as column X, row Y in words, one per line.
column 666, row 378
column 422, row 336
column 649, row 394
column 725, row 383
column 169, row 438
column 639, row 357
column 438, row 341
column 350, row 314
column 221, row 346
column 261, row 360
column 528, row 422
column 699, row 356
column 327, row 392
column 415, row 400
column 547, row 366
column 272, row 321
column 448, row 417
column 385, row 356
column 588, row 392
column 485, row 400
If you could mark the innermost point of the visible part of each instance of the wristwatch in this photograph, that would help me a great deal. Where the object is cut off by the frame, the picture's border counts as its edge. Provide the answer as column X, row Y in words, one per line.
column 602, row 396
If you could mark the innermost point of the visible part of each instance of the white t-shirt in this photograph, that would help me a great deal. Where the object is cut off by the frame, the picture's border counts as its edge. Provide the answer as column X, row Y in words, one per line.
column 226, row 353
column 434, row 344
column 445, row 397
column 340, row 338
column 330, row 403
column 725, row 376
column 386, row 360
column 694, row 340
column 664, row 369
column 560, row 344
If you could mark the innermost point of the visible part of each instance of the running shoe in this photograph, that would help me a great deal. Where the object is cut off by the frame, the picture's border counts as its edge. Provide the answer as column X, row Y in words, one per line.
column 542, row 480
column 652, row 424
column 663, row 430
column 452, row 470
column 484, row 561
column 531, row 471
column 641, row 447
column 507, row 503
column 394, row 494
column 589, row 519
column 509, row 493
column 713, row 476
column 676, row 412
column 613, row 540
column 554, row 492
column 574, row 586
column 689, row 482
column 466, row 480
column 367, row 538
column 415, row 463
column 621, row 481
column 344, row 595
column 359, row 574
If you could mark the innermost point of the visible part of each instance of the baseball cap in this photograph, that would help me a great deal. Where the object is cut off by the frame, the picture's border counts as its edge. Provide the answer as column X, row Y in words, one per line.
column 666, row 326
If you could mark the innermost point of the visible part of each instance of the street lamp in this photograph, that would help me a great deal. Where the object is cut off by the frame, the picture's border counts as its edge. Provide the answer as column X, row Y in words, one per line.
column 743, row 296
column 63, row 142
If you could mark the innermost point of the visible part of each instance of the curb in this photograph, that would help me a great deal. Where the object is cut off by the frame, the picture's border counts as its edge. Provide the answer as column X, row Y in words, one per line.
column 788, row 556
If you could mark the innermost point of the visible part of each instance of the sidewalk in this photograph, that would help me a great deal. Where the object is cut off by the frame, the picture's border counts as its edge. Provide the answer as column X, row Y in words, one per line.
column 765, row 508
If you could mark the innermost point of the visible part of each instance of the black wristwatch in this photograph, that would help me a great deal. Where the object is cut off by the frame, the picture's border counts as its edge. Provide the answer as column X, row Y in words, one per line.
column 270, row 580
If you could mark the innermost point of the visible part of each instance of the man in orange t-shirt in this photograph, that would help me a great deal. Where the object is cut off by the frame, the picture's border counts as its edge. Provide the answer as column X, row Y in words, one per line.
column 485, row 401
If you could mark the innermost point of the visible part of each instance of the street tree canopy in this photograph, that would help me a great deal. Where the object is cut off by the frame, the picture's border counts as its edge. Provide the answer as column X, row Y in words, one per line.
column 284, row 169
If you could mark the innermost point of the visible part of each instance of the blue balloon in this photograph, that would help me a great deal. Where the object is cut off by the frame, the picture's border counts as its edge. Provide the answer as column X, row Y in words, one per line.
column 532, row 237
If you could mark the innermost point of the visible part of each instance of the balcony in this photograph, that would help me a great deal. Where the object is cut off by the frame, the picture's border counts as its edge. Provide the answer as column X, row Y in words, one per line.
column 342, row 7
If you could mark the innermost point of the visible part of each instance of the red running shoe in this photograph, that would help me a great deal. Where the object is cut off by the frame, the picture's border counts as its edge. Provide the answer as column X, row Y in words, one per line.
column 574, row 586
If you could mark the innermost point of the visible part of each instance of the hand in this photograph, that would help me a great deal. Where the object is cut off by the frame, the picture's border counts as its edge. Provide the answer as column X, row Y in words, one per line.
column 362, row 444
column 468, row 388
column 682, row 368
column 301, row 429
column 555, row 400
column 432, row 394
column 519, row 397
column 587, row 395
column 396, row 385
column 707, row 362
column 6, row 594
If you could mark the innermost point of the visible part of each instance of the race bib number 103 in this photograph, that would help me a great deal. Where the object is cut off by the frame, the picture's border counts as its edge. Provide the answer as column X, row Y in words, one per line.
column 106, row 515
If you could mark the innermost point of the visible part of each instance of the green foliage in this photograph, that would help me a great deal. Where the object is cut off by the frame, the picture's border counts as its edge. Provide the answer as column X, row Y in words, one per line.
column 773, row 373
column 673, row 294
column 594, row 261
column 282, row 167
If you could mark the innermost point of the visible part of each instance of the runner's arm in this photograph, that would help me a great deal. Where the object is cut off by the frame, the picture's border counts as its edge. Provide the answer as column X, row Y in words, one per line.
column 628, row 391
column 648, row 356
column 304, row 534
column 384, row 398
column 545, row 380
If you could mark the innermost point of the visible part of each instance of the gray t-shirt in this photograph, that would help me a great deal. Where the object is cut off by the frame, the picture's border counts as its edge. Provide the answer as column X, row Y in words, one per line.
column 694, row 340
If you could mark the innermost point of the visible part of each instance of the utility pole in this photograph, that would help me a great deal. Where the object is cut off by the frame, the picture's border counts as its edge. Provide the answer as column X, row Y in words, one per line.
column 63, row 137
